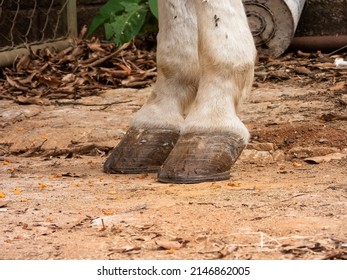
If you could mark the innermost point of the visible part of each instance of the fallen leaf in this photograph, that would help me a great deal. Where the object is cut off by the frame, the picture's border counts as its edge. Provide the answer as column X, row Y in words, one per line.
column 169, row 245
column 25, row 226
column 42, row 186
column 112, row 192
column 68, row 78
column 50, row 81
column 23, row 62
column 32, row 100
column 302, row 70
column 2, row 195
column 324, row 65
column 17, row 191
column 29, row 79
column 95, row 46
column 15, row 84
column 6, row 163
column 297, row 164
column 338, row 86
column 233, row 184
column 127, row 249
column 24, row 199
column 49, row 220
column 107, row 212
column 72, row 175
column 125, row 68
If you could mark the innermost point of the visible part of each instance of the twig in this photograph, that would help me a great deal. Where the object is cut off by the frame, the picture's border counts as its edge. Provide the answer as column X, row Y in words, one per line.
column 66, row 103
column 34, row 150
column 103, row 59
column 340, row 49
column 103, row 225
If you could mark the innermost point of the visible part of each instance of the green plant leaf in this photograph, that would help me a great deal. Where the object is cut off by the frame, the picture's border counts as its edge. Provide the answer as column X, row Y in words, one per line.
column 107, row 11
column 153, row 6
column 129, row 23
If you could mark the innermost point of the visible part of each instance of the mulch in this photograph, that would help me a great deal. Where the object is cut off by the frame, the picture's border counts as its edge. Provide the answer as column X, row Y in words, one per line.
column 88, row 67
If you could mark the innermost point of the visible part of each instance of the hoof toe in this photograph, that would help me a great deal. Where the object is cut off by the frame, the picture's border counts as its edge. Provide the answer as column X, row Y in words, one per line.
column 141, row 151
column 201, row 158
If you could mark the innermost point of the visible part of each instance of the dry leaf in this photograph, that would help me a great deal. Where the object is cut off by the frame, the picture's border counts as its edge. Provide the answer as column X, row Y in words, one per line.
column 125, row 68
column 50, row 81
column 42, row 186
column 233, row 184
column 29, row 79
column 297, row 164
column 338, row 86
column 83, row 32
column 95, row 46
column 302, row 70
column 169, row 245
column 68, row 78
column 16, row 85
column 107, row 212
column 127, row 249
column 2, row 195
column 23, row 62
column 32, row 100
column 17, row 191
column 24, row 199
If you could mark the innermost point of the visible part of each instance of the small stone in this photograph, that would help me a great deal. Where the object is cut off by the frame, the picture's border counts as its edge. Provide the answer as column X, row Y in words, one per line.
column 261, row 146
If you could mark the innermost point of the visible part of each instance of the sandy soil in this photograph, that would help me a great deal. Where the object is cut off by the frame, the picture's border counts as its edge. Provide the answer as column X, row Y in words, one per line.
column 56, row 203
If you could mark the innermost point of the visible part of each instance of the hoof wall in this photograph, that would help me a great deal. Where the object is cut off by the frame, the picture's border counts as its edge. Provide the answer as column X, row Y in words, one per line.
column 200, row 158
column 141, row 151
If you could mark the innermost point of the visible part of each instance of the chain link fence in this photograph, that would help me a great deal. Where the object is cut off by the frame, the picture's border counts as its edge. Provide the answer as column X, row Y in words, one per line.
column 34, row 23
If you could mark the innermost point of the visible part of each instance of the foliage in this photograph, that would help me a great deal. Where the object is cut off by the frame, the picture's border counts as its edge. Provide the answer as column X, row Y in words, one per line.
column 123, row 20
column 153, row 5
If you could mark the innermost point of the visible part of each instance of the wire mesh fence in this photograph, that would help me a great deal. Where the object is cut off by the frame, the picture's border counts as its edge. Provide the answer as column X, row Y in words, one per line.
column 26, row 23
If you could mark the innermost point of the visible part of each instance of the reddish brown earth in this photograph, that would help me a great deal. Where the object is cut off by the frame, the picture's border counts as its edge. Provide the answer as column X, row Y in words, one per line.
column 56, row 203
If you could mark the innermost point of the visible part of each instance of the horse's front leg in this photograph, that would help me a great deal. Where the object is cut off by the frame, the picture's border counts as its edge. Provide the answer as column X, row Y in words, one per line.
column 212, row 135
column 157, row 125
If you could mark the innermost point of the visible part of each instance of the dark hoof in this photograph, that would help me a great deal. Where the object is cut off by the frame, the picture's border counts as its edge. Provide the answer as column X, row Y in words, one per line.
column 141, row 151
column 201, row 158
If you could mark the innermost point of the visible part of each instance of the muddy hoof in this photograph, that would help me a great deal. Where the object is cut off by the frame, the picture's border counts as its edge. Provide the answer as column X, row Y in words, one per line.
column 201, row 158
column 141, row 151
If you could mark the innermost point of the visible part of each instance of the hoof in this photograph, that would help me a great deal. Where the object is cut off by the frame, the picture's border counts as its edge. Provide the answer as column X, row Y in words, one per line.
column 201, row 158
column 141, row 151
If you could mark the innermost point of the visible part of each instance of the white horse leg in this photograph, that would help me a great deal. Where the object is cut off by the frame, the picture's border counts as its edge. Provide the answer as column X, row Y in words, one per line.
column 212, row 136
column 157, row 124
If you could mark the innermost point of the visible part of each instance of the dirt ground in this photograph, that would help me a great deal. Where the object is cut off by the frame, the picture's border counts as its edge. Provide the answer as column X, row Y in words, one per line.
column 56, row 203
